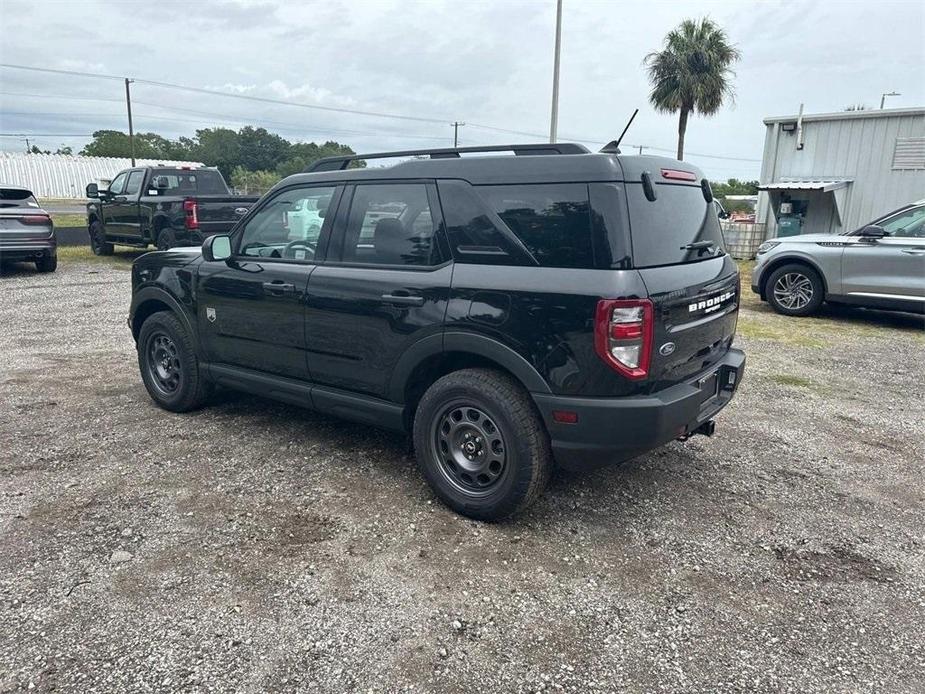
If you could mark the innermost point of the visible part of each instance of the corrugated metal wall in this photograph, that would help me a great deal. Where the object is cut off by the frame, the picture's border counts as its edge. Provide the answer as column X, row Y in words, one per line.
column 66, row 176
column 859, row 146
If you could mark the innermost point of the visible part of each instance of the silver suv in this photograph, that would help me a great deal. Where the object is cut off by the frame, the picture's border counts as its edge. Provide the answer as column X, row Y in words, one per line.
column 881, row 265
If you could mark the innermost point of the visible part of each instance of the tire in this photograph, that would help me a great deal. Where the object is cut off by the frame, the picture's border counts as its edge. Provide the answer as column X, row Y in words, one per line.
column 98, row 243
column 169, row 366
column 488, row 415
column 166, row 240
column 47, row 263
column 794, row 290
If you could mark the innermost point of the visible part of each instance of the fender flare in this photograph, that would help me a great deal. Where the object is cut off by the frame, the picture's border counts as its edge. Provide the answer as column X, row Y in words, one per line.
column 154, row 293
column 791, row 258
column 469, row 343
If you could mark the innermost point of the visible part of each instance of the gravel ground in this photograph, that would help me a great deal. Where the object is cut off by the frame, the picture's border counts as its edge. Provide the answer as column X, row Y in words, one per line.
column 257, row 547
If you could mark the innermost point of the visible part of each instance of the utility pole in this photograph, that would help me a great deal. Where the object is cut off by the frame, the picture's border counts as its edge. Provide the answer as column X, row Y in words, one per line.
column 128, row 105
column 28, row 149
column 640, row 148
column 885, row 95
column 554, row 118
column 456, row 132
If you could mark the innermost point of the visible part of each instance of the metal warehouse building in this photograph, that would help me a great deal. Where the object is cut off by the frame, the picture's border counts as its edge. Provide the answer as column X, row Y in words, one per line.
column 834, row 172
column 65, row 175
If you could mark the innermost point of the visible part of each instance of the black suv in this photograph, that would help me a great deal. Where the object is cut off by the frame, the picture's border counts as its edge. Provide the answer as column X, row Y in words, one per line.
column 507, row 311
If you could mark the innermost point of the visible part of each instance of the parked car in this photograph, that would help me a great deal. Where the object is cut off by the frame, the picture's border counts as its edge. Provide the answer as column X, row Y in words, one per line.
column 26, row 230
column 163, row 206
column 881, row 265
column 506, row 311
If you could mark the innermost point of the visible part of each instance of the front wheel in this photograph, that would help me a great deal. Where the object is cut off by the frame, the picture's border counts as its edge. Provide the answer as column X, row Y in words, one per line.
column 168, row 364
column 98, row 243
column 795, row 290
column 481, row 444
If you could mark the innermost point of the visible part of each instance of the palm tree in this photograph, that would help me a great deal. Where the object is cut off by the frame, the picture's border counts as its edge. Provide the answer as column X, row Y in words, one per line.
column 693, row 73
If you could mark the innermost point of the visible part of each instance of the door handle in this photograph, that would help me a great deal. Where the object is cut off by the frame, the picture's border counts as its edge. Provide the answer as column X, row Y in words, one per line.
column 278, row 288
column 403, row 299
column 914, row 251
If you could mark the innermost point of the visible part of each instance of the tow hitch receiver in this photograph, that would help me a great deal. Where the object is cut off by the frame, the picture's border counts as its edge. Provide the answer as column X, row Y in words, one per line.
column 705, row 429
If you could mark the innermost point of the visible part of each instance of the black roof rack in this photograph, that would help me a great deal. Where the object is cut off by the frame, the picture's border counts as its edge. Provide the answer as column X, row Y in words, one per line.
column 342, row 162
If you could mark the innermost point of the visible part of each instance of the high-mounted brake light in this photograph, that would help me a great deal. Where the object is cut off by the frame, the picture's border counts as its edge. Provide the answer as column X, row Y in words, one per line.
column 34, row 219
column 191, row 209
column 677, row 175
column 623, row 335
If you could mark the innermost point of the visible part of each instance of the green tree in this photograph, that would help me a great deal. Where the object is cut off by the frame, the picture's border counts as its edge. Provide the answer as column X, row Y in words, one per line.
column 693, row 73
column 114, row 143
column 253, row 182
column 734, row 186
column 303, row 154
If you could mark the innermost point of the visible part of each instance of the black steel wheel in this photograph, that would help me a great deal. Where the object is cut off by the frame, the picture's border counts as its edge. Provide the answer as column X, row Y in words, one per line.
column 481, row 444
column 169, row 365
column 98, row 243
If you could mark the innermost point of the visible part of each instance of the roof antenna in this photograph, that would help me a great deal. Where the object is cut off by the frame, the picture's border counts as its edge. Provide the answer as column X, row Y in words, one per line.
column 613, row 147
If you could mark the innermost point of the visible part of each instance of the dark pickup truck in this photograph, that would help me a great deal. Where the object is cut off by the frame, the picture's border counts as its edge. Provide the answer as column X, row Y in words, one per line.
column 163, row 206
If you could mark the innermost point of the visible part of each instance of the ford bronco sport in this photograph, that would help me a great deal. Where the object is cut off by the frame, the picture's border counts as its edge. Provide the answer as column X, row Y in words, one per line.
column 506, row 311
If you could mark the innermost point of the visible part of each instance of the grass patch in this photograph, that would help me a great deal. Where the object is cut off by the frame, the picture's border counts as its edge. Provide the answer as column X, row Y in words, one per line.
column 78, row 254
column 769, row 327
column 791, row 380
column 69, row 220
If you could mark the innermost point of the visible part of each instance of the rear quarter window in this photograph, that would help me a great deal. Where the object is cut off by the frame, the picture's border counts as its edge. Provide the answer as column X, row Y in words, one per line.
column 661, row 229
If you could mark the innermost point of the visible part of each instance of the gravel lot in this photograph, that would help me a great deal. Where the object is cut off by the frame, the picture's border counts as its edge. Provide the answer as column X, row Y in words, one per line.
column 258, row 547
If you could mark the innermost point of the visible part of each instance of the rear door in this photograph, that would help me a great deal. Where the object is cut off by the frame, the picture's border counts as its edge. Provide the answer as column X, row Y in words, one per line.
column 385, row 287
column 252, row 307
column 677, row 248
column 891, row 268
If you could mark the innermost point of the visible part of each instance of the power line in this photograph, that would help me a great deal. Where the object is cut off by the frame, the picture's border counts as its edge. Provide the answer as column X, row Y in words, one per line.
column 334, row 109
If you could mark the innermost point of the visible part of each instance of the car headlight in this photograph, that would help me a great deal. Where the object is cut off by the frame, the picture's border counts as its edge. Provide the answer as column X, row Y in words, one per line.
column 766, row 246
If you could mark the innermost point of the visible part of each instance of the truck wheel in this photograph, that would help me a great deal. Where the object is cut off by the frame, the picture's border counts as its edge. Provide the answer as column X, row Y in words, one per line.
column 794, row 290
column 168, row 363
column 98, row 243
column 47, row 263
column 481, row 444
column 166, row 240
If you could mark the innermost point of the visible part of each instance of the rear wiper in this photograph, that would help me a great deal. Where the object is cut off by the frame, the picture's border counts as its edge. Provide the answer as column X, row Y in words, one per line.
column 698, row 245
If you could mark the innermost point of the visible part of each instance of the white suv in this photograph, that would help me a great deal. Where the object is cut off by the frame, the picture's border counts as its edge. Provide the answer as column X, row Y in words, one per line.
column 881, row 265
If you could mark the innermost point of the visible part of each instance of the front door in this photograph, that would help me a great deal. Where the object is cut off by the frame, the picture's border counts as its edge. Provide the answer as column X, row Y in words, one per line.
column 124, row 209
column 385, row 286
column 892, row 267
column 252, row 307
column 110, row 205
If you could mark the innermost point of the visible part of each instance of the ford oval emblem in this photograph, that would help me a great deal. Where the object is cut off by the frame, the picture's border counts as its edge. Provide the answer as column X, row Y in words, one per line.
column 666, row 349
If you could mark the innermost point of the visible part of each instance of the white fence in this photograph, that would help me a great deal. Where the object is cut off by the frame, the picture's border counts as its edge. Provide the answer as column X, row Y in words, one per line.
column 64, row 175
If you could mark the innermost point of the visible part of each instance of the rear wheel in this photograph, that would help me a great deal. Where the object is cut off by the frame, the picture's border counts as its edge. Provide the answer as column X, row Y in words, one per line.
column 168, row 364
column 166, row 240
column 47, row 263
column 481, row 444
column 794, row 290
column 98, row 243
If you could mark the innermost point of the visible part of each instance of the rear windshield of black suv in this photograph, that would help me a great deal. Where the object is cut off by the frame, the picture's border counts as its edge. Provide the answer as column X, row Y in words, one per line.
column 661, row 229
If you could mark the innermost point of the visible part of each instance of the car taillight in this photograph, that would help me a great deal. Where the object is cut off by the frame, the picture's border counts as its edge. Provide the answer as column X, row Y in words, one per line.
column 678, row 175
column 34, row 219
column 192, row 214
column 285, row 219
column 623, row 335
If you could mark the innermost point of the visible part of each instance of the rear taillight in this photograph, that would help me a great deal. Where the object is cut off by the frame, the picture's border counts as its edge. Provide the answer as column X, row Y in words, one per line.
column 34, row 219
column 285, row 220
column 192, row 214
column 623, row 335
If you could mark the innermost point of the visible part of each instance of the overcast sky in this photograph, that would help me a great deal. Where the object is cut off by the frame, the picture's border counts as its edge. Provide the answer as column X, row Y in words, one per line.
column 485, row 63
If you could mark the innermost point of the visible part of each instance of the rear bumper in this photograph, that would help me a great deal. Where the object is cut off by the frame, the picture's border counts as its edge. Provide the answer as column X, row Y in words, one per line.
column 611, row 430
column 28, row 249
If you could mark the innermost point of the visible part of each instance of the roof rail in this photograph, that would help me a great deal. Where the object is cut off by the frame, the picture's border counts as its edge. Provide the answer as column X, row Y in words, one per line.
column 340, row 163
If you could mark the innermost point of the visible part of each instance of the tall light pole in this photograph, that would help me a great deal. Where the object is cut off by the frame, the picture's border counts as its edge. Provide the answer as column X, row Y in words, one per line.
column 456, row 125
column 128, row 105
column 885, row 95
column 554, row 118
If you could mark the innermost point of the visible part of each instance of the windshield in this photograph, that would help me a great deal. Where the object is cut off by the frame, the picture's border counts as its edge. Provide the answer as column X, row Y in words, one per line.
column 679, row 226
column 17, row 197
column 192, row 182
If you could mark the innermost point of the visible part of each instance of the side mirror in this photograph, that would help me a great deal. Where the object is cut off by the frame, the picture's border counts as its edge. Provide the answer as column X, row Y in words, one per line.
column 872, row 231
column 93, row 190
column 216, row 247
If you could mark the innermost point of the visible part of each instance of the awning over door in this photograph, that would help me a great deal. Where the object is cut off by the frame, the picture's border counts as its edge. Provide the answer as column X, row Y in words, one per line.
column 838, row 187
